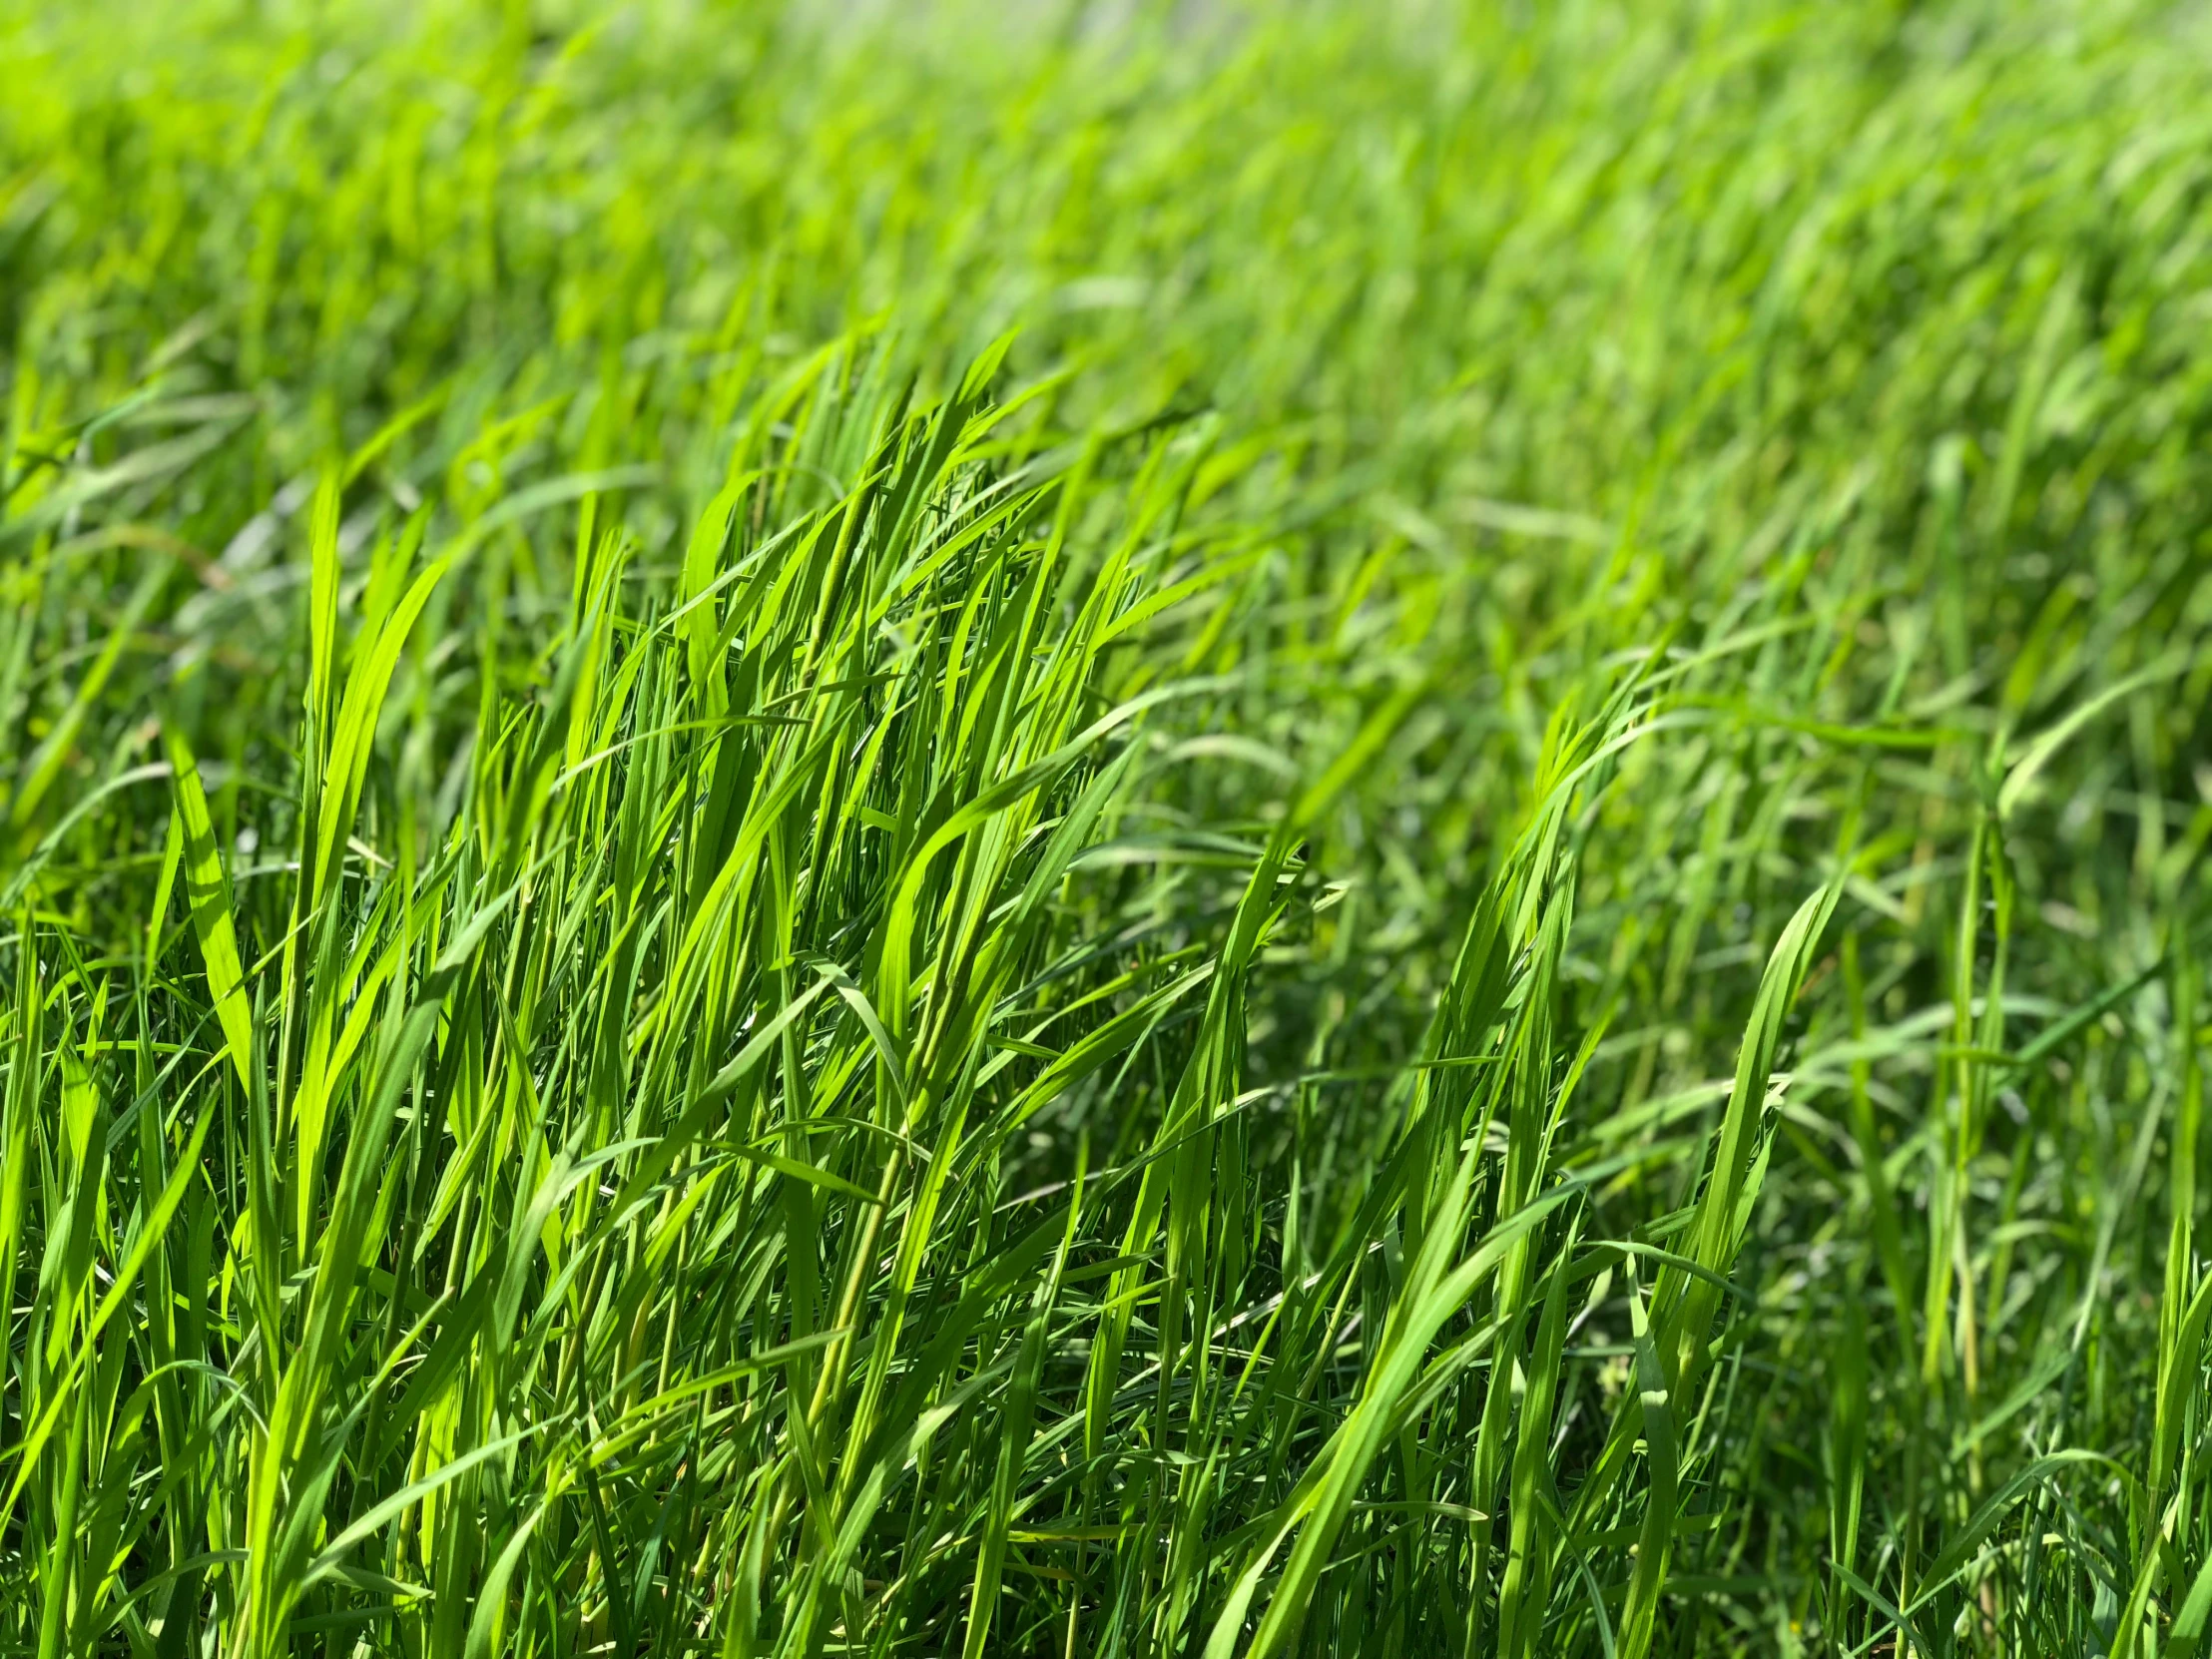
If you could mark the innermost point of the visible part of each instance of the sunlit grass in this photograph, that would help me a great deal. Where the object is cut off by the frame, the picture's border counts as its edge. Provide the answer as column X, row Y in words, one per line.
column 1218, row 832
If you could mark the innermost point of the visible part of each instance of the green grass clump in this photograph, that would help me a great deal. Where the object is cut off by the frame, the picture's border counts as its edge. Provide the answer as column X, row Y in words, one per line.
column 1229, row 830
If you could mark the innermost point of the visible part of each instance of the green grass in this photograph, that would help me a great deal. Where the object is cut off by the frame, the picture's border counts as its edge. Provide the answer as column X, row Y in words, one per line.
column 1329, row 828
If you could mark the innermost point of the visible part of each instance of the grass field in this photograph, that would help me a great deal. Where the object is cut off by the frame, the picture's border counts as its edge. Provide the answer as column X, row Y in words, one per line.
column 1335, row 829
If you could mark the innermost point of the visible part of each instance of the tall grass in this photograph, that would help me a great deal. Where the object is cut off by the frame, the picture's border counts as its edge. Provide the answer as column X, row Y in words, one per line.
column 1211, row 832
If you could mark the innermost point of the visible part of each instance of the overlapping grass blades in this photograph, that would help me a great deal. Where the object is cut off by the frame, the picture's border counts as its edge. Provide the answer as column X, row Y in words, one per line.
column 1466, row 917
column 553, row 1146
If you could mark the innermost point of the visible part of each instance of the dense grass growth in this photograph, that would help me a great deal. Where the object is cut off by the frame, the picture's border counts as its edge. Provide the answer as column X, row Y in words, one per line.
column 1233, row 831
